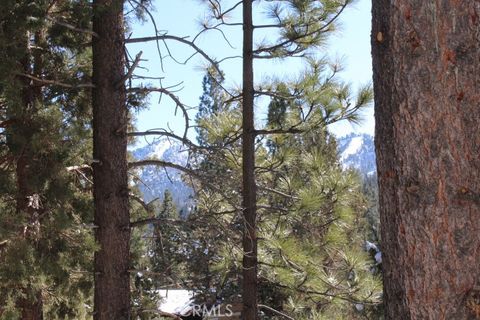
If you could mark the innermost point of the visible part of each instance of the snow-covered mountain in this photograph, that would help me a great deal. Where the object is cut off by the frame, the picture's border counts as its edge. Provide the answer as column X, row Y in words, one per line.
column 357, row 151
column 154, row 180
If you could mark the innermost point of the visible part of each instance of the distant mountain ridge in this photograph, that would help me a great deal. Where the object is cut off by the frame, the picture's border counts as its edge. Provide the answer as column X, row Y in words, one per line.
column 154, row 180
column 355, row 151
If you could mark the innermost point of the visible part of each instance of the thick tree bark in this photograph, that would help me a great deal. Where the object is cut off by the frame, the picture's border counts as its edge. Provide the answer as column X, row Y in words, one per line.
column 112, row 281
column 249, row 281
column 426, row 66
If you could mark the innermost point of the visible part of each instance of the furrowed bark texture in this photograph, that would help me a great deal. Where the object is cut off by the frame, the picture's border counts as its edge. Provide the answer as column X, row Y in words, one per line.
column 426, row 62
column 112, row 288
column 249, row 186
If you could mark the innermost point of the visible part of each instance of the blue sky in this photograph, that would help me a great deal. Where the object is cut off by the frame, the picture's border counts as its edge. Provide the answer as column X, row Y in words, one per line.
column 183, row 18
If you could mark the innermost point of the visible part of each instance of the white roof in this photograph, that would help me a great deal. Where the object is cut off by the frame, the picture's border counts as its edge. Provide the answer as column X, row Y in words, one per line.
column 174, row 300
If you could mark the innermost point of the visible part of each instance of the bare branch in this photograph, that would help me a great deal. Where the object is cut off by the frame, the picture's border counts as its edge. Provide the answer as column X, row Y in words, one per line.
column 161, row 163
column 189, row 143
column 154, row 221
column 179, row 39
column 171, row 96
column 130, row 70
column 155, row 28
column 291, row 130
column 57, row 83
column 147, row 206
column 262, row 306
column 83, row 167
column 188, row 171
column 71, row 27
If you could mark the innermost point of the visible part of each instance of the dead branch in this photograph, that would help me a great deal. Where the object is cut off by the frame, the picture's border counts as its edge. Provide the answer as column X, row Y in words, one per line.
column 57, row 83
column 171, row 96
column 161, row 163
column 291, row 130
column 72, row 27
column 262, row 306
column 179, row 39
column 155, row 221
column 145, row 205
column 165, row 133
column 130, row 70
column 83, row 167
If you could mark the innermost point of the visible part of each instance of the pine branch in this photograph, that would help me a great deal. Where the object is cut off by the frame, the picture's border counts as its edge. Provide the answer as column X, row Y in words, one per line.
column 288, row 42
column 280, row 193
column 57, row 83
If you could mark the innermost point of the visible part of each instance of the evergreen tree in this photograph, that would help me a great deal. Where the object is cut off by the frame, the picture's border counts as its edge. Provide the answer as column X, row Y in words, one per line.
column 211, row 99
column 311, row 257
column 166, row 245
column 44, row 116
column 370, row 190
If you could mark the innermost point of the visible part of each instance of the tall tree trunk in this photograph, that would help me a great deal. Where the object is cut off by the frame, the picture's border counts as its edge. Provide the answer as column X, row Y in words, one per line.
column 31, row 305
column 249, row 186
column 112, row 280
column 32, row 308
column 427, row 106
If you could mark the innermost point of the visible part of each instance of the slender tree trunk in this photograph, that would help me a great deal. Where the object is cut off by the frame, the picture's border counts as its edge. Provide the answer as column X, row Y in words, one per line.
column 249, row 186
column 426, row 58
column 112, row 280
column 31, row 306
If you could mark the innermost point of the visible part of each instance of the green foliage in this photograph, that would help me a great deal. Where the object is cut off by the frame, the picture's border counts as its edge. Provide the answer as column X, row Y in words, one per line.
column 210, row 101
column 311, row 228
column 370, row 189
column 303, row 25
column 44, row 207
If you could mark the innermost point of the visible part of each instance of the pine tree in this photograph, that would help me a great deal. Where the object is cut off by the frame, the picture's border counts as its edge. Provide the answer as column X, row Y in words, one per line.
column 311, row 211
column 425, row 64
column 210, row 101
column 166, row 245
column 44, row 112
column 302, row 26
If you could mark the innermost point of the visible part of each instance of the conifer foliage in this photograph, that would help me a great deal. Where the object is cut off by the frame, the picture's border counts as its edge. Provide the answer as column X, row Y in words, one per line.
column 44, row 124
column 297, row 28
column 276, row 221
column 311, row 263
